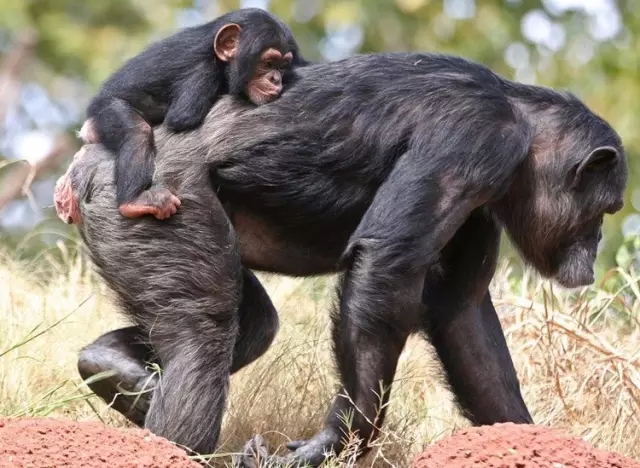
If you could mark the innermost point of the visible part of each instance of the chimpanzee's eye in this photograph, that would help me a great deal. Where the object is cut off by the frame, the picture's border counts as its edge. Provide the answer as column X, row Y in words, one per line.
column 268, row 64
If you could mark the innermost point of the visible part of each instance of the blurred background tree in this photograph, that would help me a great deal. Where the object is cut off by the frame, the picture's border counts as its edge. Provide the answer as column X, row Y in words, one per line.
column 55, row 53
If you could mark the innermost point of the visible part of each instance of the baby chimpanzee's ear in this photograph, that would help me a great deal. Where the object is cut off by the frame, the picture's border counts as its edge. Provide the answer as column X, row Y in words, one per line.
column 225, row 45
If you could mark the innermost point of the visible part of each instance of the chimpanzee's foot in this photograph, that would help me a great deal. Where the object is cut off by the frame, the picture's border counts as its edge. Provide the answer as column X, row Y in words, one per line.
column 310, row 453
column 130, row 387
column 159, row 202
column 88, row 133
column 129, row 391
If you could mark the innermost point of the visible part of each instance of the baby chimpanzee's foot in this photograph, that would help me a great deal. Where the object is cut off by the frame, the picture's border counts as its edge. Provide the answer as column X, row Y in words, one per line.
column 159, row 202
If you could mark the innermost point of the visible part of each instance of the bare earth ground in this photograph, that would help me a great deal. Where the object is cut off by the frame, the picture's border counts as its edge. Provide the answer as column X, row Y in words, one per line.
column 49, row 443
column 517, row 446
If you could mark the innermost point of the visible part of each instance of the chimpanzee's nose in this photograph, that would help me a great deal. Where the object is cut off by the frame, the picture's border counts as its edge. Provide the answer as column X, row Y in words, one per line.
column 275, row 78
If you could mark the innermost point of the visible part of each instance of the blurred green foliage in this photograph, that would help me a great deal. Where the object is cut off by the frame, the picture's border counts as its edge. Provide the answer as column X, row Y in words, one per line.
column 590, row 48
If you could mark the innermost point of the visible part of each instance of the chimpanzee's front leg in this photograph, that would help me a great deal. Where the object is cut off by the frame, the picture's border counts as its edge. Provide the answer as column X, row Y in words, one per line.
column 463, row 326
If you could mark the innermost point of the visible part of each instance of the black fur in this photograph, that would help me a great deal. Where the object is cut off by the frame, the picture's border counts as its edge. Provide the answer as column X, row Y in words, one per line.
column 176, row 81
column 400, row 170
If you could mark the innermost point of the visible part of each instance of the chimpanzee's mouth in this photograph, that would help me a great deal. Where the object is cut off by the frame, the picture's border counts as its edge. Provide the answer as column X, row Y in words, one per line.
column 575, row 268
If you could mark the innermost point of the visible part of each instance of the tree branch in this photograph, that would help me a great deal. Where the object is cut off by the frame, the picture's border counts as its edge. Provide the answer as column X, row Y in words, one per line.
column 12, row 69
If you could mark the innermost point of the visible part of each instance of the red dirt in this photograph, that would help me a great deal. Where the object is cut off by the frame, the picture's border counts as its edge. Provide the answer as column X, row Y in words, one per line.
column 517, row 446
column 50, row 443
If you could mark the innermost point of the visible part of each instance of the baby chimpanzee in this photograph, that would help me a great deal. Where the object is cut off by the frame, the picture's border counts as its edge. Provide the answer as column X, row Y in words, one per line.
column 246, row 52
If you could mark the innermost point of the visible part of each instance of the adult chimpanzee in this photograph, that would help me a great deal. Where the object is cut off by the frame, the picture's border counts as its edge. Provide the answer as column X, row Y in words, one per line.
column 247, row 52
column 404, row 184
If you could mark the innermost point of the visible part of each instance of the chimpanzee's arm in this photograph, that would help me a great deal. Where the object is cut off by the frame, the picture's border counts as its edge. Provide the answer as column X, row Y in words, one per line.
column 433, row 189
column 193, row 97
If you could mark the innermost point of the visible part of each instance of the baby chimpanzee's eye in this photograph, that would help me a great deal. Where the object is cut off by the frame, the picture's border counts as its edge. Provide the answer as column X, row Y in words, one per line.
column 268, row 64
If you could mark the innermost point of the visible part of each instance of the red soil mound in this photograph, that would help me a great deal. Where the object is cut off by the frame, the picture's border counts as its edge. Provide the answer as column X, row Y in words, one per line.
column 517, row 446
column 49, row 443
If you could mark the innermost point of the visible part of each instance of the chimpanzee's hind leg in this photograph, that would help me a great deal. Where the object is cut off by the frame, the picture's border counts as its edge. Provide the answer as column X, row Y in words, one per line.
column 180, row 282
column 127, row 354
column 258, row 322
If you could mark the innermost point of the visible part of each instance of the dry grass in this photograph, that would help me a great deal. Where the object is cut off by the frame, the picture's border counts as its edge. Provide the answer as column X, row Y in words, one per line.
column 577, row 374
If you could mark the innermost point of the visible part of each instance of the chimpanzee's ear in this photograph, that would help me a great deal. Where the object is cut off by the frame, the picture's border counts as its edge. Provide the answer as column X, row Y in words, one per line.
column 225, row 45
column 599, row 160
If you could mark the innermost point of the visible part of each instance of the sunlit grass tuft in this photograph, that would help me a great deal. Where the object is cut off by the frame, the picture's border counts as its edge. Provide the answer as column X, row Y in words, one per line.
column 577, row 357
